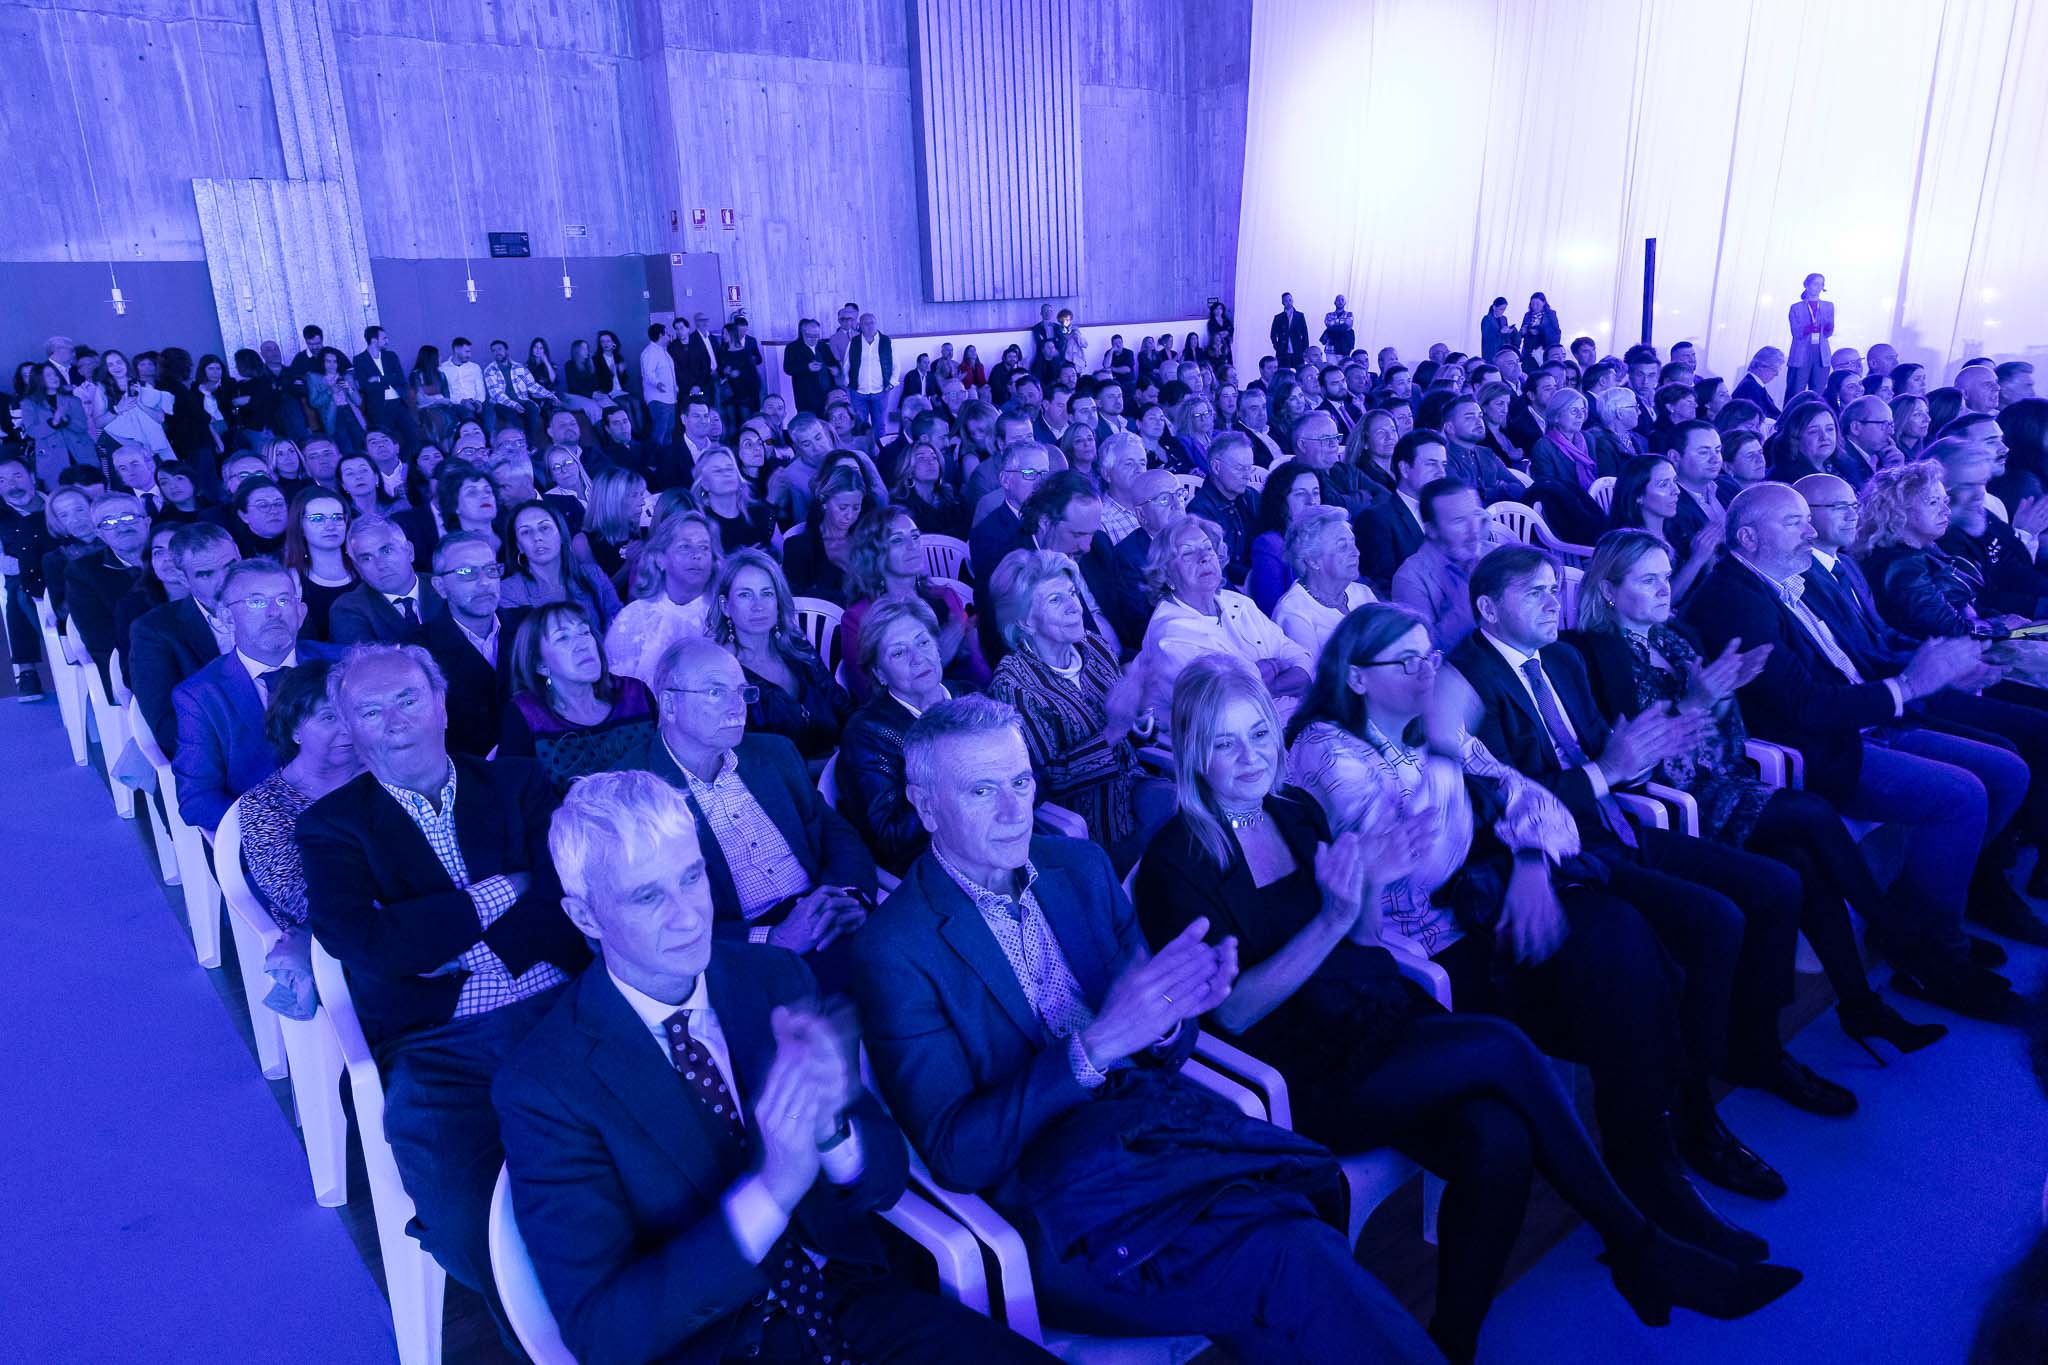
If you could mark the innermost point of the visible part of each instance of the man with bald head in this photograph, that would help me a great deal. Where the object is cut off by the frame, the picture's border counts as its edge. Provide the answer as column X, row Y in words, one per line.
column 1979, row 385
column 1866, row 436
column 1863, row 750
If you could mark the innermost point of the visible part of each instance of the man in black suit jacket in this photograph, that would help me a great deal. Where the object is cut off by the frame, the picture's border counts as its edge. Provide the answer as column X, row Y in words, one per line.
column 171, row 642
column 1764, row 368
column 805, row 361
column 1158, row 501
column 1063, row 515
column 380, row 375
column 1032, row 1053
column 806, row 894
column 1863, row 749
column 94, row 584
column 1391, row 529
column 393, row 603
column 1023, row 466
column 1289, row 334
column 1225, row 498
column 696, row 358
column 472, row 640
column 429, row 880
column 688, row 1127
column 1730, row 918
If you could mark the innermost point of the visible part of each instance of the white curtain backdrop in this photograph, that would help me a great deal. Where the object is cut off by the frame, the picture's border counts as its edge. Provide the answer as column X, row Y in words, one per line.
column 1422, row 156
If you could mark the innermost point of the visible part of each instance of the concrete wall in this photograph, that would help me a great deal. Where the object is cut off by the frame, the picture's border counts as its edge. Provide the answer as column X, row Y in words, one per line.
column 469, row 116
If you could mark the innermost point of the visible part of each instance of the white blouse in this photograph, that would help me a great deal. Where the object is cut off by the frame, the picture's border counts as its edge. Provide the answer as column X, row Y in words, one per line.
column 1178, row 635
column 1308, row 622
column 644, row 630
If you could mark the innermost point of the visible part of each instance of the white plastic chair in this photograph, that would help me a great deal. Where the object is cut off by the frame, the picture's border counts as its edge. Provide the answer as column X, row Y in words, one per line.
column 161, row 810
column 188, row 845
column 1602, row 490
column 65, row 680
column 413, row 1280
column 1257, row 478
column 1570, row 581
column 945, row 557
column 111, row 724
column 819, row 621
column 311, row 1055
column 956, row 585
column 1190, row 484
column 962, row 1276
column 1515, row 520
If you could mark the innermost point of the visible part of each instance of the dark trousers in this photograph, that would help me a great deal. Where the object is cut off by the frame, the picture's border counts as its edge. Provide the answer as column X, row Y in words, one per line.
column 1608, row 999
column 1258, row 1274
column 444, row 1133
column 890, row 1324
column 1470, row 1098
column 1731, row 919
column 24, row 635
column 1804, row 832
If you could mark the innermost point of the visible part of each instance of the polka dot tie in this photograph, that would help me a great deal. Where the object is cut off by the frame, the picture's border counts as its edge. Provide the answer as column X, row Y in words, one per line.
column 797, row 1287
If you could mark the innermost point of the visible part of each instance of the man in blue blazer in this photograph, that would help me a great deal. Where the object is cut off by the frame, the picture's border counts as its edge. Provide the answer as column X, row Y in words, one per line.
column 171, row 642
column 1031, row 1049
column 694, row 1163
column 222, row 751
column 783, row 866
column 428, row 878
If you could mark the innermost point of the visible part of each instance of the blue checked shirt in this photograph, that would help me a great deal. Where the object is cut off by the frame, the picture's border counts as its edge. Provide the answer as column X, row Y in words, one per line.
column 765, row 872
column 1034, row 955
column 490, row 983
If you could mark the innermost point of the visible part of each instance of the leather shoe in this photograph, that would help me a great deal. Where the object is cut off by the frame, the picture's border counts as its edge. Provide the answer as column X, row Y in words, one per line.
column 1720, row 1158
column 1969, row 990
column 1795, row 1083
column 2002, row 910
column 1667, row 1198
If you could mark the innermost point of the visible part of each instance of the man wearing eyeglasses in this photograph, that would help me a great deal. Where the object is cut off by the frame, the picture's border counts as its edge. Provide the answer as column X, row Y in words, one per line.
column 472, row 639
column 94, row 584
column 1866, row 435
column 222, row 750
column 1024, row 467
column 785, row 868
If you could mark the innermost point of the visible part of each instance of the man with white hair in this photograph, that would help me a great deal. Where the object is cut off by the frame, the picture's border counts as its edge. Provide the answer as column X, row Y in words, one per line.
column 1119, row 463
column 428, row 877
column 1031, row 1048
column 694, row 1162
column 393, row 603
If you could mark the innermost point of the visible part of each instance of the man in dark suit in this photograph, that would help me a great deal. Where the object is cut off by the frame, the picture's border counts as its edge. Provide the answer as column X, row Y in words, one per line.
column 1289, row 334
column 1863, row 750
column 804, row 361
column 94, row 584
column 1391, row 529
column 1729, row 918
column 472, row 639
column 1064, row 515
column 1159, row 500
column 393, row 603
column 784, row 867
column 1764, row 368
column 1225, row 498
column 429, row 879
column 1023, row 466
column 1031, row 1051
column 171, row 642
column 696, row 358
column 380, row 375
column 687, row 1130
column 222, row 750
column 616, row 447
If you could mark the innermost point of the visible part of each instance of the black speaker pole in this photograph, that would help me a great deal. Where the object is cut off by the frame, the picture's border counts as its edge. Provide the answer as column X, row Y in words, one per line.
column 1649, row 285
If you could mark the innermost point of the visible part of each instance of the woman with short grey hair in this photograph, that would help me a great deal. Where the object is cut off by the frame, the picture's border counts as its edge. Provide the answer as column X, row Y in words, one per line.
column 1322, row 550
column 1079, row 709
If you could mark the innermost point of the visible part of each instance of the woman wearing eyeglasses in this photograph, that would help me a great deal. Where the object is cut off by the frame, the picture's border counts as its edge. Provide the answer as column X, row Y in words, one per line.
column 313, row 540
column 1371, row 1058
column 568, row 708
column 1197, row 615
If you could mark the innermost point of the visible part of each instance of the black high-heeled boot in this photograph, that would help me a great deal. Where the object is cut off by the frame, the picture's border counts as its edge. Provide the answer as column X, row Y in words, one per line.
column 1867, row 1016
column 1656, row 1273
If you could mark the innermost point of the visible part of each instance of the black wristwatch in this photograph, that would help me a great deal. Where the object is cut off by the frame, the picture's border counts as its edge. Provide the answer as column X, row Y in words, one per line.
column 839, row 1134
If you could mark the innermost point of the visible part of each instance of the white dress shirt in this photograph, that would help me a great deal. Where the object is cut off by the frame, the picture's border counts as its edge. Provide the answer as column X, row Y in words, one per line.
column 1790, row 593
column 1515, row 659
column 464, row 380
column 256, row 668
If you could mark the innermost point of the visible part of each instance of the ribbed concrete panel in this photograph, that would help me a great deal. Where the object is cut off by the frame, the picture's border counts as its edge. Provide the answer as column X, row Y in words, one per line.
column 283, row 253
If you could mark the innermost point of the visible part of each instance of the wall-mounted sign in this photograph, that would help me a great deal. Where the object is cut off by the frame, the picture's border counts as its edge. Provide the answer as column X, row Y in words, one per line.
column 505, row 244
column 732, row 294
column 699, row 217
column 729, row 219
column 575, row 230
column 675, row 258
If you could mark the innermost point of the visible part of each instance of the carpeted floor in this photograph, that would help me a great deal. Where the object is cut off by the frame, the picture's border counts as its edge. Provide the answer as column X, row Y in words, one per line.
column 1901, row 1216
column 156, row 1204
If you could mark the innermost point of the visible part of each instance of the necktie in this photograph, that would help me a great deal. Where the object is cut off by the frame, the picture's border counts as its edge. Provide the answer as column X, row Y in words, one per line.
column 799, row 1287
column 1790, row 592
column 263, row 683
column 1567, row 745
column 408, row 611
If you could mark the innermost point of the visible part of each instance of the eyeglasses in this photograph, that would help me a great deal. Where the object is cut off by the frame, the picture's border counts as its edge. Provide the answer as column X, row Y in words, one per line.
column 1170, row 498
column 1029, row 475
column 321, row 518
column 263, row 603
column 120, row 519
column 1411, row 664
column 489, row 573
column 720, row 693
column 1318, row 440
column 267, row 506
